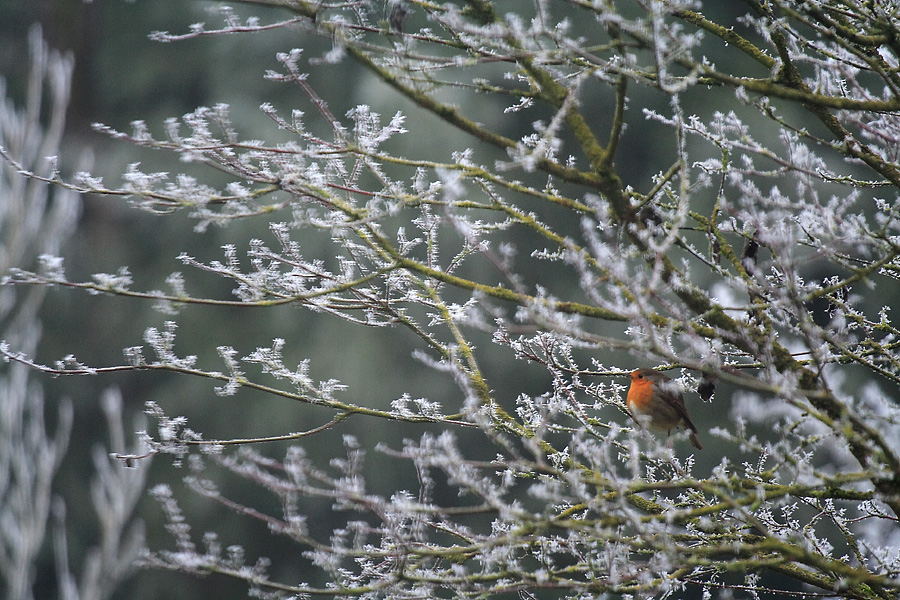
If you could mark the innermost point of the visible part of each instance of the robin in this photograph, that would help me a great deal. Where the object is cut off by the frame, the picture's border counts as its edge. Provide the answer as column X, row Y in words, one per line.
column 655, row 403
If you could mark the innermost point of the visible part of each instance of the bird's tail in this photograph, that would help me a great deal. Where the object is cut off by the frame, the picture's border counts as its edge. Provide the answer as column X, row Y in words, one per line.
column 696, row 441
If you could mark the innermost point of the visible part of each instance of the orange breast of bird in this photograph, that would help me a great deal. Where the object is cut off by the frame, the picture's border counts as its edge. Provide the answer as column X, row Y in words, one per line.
column 640, row 395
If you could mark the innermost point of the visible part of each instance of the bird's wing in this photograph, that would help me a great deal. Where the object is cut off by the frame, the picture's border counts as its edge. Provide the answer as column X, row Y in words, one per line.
column 674, row 397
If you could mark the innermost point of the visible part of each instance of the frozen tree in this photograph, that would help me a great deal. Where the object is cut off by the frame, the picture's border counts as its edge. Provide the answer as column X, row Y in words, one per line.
column 34, row 223
column 754, row 257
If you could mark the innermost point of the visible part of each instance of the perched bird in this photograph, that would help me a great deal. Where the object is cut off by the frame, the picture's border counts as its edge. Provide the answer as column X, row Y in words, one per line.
column 655, row 403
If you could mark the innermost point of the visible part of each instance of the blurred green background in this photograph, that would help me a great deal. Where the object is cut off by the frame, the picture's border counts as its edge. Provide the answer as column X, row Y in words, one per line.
column 121, row 76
